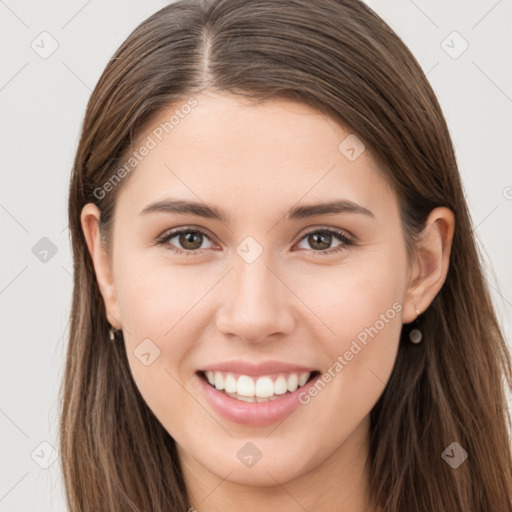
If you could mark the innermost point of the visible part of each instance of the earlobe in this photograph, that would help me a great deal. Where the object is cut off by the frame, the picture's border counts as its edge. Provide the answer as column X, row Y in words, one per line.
column 432, row 259
column 89, row 219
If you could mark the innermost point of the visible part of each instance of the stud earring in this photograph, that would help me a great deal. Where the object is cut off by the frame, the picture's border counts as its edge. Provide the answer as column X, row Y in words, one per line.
column 415, row 335
column 112, row 333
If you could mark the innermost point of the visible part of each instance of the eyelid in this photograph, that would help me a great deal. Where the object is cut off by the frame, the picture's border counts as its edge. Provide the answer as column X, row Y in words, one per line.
column 339, row 231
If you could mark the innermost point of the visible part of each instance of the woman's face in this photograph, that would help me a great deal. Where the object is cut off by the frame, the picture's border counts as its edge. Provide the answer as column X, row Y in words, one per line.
column 263, row 296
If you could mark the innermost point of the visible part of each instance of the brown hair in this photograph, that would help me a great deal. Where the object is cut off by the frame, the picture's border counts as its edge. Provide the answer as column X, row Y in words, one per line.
column 342, row 59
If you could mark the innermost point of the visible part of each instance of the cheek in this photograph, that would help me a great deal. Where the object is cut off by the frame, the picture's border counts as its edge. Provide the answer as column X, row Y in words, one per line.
column 161, row 321
column 354, row 296
column 366, row 316
column 359, row 305
column 157, row 298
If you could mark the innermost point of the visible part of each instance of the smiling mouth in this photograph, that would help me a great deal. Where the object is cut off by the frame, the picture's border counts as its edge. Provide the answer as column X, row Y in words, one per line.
column 257, row 389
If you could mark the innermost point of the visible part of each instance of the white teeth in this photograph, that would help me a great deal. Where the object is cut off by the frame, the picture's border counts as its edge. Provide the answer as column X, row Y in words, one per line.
column 230, row 383
column 292, row 384
column 245, row 386
column 219, row 380
column 262, row 389
column 246, row 398
column 303, row 378
column 280, row 387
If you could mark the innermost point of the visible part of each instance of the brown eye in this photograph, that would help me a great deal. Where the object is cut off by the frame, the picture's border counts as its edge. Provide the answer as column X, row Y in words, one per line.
column 320, row 240
column 189, row 241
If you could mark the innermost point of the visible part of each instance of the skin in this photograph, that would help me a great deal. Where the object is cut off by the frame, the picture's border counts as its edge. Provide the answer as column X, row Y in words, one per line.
column 291, row 304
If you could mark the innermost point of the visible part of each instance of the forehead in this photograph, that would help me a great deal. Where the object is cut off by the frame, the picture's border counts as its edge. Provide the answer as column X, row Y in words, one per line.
column 233, row 153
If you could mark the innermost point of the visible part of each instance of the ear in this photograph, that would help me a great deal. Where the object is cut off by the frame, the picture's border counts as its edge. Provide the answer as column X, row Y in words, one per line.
column 89, row 219
column 430, row 262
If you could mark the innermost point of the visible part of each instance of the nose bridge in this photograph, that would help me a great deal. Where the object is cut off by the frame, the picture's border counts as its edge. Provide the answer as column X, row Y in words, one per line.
column 255, row 304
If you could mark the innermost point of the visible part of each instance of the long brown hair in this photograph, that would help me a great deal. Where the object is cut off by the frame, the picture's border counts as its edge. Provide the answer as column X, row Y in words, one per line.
column 341, row 58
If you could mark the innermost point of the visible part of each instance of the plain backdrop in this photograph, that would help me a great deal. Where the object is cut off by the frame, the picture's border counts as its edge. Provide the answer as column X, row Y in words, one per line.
column 465, row 49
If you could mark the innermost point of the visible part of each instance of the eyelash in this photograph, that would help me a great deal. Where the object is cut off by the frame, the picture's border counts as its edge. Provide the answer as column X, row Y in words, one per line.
column 347, row 243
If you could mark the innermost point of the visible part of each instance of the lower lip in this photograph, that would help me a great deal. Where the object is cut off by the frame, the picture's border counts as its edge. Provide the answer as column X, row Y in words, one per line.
column 254, row 413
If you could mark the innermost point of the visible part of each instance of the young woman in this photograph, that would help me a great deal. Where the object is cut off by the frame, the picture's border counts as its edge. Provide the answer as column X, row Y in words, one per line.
column 278, row 302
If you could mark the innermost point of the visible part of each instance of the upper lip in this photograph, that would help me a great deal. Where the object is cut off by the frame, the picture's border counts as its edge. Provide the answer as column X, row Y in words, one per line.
column 263, row 368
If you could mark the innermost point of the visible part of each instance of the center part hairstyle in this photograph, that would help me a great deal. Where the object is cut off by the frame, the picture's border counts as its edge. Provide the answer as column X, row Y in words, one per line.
column 343, row 60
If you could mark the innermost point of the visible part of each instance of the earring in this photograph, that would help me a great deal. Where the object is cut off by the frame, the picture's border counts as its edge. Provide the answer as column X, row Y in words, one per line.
column 415, row 335
column 112, row 333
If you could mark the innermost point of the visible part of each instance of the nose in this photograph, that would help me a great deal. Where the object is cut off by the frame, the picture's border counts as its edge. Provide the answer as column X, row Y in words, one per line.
column 257, row 305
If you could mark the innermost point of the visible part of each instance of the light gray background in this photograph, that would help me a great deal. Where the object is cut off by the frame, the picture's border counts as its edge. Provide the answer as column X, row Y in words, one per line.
column 43, row 102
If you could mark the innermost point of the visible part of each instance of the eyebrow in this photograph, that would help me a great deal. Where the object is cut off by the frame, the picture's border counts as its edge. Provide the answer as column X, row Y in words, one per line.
column 295, row 213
